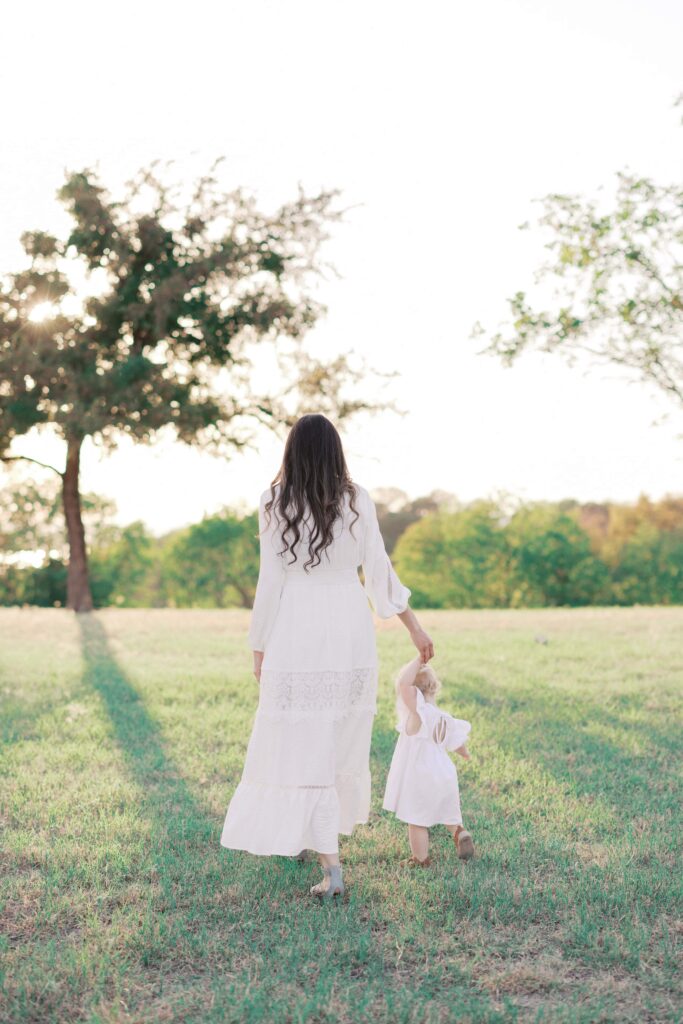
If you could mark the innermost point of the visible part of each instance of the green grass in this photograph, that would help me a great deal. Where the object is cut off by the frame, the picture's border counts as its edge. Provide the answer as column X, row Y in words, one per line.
column 124, row 737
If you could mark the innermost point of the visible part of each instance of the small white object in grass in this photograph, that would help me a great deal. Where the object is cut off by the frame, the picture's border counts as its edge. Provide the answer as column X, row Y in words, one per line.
column 541, row 639
column 75, row 710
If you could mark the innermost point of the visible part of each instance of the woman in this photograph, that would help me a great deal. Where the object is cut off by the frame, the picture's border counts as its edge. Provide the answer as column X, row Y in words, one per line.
column 306, row 776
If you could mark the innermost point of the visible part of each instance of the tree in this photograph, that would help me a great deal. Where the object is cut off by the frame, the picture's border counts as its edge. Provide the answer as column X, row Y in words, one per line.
column 616, row 276
column 456, row 559
column 484, row 557
column 650, row 567
column 177, row 293
column 552, row 561
column 31, row 518
column 396, row 511
column 214, row 563
column 120, row 566
column 44, row 586
column 642, row 546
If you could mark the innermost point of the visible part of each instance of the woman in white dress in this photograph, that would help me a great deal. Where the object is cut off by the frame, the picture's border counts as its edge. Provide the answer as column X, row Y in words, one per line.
column 306, row 776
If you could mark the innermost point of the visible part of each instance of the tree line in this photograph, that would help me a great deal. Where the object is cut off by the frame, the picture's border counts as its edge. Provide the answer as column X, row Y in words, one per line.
column 493, row 553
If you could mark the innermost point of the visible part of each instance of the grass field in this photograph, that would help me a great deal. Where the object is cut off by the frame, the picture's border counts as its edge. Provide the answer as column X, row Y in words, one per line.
column 124, row 736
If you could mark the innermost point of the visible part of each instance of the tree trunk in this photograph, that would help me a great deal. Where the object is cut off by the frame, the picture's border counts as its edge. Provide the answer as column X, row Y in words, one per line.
column 247, row 596
column 78, row 594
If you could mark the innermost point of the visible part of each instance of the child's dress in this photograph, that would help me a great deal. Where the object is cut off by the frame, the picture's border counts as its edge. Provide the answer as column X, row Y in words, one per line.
column 422, row 785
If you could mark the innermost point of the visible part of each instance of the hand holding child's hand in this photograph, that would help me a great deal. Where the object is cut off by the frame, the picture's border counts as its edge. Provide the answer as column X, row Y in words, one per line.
column 423, row 643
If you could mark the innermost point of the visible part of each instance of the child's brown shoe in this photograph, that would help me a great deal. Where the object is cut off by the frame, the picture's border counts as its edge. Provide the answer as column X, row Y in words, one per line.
column 464, row 843
column 413, row 862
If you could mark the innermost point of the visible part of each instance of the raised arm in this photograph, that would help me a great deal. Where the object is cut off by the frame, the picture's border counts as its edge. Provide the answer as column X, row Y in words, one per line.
column 268, row 588
column 387, row 594
column 408, row 691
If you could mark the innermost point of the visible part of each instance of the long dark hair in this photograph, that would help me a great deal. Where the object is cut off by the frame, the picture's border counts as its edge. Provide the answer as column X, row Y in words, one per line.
column 314, row 474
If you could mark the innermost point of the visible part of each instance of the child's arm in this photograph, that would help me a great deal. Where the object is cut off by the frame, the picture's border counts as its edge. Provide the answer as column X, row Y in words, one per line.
column 408, row 691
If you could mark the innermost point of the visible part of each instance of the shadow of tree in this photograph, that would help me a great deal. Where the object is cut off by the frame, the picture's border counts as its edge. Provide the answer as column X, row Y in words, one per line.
column 188, row 861
column 585, row 743
column 555, row 762
column 177, row 815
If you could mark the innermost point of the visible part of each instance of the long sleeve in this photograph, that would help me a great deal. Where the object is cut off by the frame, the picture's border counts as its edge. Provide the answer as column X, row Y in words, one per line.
column 270, row 581
column 387, row 594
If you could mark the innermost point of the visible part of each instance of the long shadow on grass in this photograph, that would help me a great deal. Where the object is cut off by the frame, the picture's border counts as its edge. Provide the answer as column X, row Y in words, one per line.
column 179, row 820
column 566, row 737
column 560, row 763
column 188, row 921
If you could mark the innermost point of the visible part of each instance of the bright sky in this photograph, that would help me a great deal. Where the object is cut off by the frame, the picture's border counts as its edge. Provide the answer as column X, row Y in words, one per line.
column 440, row 122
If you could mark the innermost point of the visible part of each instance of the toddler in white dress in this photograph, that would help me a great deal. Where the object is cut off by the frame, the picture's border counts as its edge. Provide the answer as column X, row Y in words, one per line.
column 422, row 785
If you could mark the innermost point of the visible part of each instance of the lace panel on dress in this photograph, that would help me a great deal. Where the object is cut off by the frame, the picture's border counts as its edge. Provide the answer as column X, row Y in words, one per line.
column 327, row 695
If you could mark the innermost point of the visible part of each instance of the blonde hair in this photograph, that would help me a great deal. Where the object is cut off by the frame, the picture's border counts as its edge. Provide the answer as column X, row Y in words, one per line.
column 426, row 681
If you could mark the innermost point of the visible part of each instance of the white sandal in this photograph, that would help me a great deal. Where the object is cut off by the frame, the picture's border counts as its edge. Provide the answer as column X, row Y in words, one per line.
column 335, row 883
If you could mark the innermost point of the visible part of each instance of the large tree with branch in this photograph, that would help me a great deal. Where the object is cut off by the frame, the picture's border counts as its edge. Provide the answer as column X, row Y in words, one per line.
column 144, row 318
column 614, row 279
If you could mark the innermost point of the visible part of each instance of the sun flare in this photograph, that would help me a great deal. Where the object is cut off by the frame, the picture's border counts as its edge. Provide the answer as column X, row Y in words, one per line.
column 42, row 311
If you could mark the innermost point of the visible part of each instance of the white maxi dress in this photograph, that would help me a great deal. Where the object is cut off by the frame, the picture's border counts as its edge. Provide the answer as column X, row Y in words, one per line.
column 306, row 775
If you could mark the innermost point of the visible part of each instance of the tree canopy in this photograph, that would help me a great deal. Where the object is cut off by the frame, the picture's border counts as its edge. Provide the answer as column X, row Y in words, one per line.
column 144, row 318
column 614, row 281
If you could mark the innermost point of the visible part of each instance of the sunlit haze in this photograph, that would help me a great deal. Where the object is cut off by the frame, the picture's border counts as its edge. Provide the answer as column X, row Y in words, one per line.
column 440, row 123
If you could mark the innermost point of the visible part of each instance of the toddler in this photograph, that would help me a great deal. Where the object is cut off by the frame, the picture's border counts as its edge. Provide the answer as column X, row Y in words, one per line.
column 422, row 785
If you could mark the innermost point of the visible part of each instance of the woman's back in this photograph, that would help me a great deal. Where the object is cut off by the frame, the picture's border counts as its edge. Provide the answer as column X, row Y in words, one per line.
column 356, row 541
column 346, row 550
